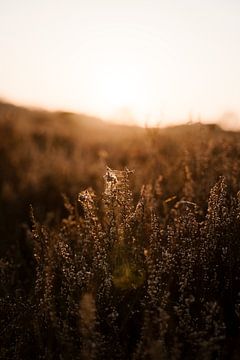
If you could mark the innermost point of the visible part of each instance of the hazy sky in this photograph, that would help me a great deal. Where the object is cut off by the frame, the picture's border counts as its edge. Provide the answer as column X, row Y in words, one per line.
column 151, row 59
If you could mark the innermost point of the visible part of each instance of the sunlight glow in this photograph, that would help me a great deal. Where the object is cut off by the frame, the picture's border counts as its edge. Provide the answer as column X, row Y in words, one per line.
column 133, row 61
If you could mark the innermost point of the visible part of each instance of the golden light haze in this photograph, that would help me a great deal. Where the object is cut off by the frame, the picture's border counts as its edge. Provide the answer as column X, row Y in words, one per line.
column 146, row 61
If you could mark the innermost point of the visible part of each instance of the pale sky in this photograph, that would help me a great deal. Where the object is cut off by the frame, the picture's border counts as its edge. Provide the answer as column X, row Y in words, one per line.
column 151, row 60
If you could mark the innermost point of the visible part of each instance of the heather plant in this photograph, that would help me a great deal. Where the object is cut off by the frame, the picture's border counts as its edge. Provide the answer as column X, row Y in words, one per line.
column 114, row 280
column 137, row 265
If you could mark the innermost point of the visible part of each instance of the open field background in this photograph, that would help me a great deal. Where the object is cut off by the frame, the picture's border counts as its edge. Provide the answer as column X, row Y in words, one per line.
column 142, row 265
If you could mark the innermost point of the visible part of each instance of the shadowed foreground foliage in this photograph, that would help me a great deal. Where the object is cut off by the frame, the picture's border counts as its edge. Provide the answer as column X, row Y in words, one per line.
column 122, row 282
column 145, row 266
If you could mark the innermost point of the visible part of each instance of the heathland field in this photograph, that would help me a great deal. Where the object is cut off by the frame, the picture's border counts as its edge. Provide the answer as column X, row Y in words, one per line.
column 117, row 242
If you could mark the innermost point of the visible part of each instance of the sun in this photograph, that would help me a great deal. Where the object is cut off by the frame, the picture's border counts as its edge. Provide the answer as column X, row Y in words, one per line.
column 129, row 80
column 121, row 84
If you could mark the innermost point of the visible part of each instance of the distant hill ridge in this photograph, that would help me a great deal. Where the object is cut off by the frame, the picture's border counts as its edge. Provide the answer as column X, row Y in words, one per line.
column 16, row 112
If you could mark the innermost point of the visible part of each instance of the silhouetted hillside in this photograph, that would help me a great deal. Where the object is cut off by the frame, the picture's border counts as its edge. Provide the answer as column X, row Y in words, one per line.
column 111, row 262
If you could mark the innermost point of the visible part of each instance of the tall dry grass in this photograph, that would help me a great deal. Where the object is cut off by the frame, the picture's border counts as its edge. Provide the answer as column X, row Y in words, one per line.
column 137, row 265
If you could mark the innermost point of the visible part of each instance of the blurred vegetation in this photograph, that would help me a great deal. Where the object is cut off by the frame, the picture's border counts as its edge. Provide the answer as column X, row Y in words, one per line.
column 119, row 264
